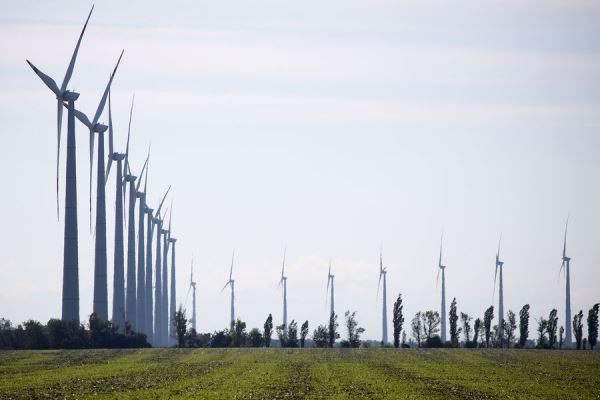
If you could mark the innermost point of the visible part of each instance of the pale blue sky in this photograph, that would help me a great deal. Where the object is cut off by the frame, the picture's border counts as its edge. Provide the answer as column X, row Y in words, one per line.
column 327, row 126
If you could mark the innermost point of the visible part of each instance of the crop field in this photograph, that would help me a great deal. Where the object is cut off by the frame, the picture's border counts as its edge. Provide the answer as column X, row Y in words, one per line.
column 299, row 374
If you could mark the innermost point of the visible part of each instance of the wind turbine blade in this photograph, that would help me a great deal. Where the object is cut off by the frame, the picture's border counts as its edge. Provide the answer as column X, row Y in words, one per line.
column 231, row 269
column 440, row 260
column 228, row 282
column 74, row 56
column 378, row 285
column 47, row 80
column 163, row 200
column 495, row 276
column 59, row 109
column 110, row 139
column 128, row 133
column 565, row 242
column 137, row 188
column 91, row 164
column 283, row 264
column 437, row 279
column 105, row 95
column 81, row 117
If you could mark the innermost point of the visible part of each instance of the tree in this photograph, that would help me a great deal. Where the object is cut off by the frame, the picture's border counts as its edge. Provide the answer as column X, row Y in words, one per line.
column 578, row 328
column 354, row 331
column 321, row 336
column 454, row 330
column 510, row 326
column 303, row 333
column 416, row 326
column 333, row 333
column 398, row 320
column 220, row 339
column 180, row 325
column 551, row 327
column 592, row 321
column 561, row 334
column 466, row 322
column 35, row 335
column 523, row 325
column 239, row 335
column 488, row 316
column 268, row 330
column 476, row 330
column 431, row 323
column 255, row 338
column 281, row 335
column 292, row 339
column 542, row 328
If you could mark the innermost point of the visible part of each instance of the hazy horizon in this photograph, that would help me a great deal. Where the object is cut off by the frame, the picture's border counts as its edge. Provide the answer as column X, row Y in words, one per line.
column 329, row 128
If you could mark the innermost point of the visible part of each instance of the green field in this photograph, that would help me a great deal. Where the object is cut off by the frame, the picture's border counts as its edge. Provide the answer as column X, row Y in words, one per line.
column 299, row 374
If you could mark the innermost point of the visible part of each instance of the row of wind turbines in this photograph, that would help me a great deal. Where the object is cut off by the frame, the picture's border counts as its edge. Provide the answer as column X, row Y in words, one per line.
column 136, row 305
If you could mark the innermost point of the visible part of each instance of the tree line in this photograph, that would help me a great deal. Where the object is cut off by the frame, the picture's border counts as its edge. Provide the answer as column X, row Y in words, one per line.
column 59, row 334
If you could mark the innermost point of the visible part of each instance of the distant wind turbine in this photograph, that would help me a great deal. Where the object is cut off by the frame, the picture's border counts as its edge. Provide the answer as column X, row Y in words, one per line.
column 118, row 311
column 500, row 268
column 148, row 263
column 164, row 306
column 383, row 274
column 193, row 287
column 70, row 284
column 330, row 278
column 231, row 282
column 442, row 268
column 283, row 283
column 566, row 265
column 173, row 294
column 158, row 317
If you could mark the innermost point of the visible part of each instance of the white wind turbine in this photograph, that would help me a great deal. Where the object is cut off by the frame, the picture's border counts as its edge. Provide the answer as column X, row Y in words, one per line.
column 383, row 274
column 193, row 287
column 330, row 279
column 70, row 286
column 442, row 268
column 566, row 265
column 231, row 282
column 283, row 283
column 500, row 268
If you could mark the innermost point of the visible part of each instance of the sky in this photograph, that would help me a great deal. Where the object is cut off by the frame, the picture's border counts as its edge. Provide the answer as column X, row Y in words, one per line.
column 329, row 128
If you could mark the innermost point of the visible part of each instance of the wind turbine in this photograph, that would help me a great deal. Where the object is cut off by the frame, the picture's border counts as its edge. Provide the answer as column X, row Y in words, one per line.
column 164, row 306
column 442, row 268
column 330, row 277
column 144, row 287
column 230, row 282
column 172, row 305
column 100, row 279
column 499, row 267
column 383, row 274
column 158, row 317
column 566, row 265
column 148, row 287
column 193, row 287
column 118, row 311
column 70, row 287
column 283, row 282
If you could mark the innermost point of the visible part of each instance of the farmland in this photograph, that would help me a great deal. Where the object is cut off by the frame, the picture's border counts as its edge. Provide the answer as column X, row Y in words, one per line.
column 299, row 374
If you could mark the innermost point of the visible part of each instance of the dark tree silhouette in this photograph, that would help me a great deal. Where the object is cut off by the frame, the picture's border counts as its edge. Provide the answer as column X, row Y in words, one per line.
column 303, row 333
column 268, row 331
column 239, row 335
column 398, row 320
column 354, row 331
column 292, row 336
column 282, row 335
column 488, row 316
column 416, row 326
column 510, row 326
column 578, row 328
column 466, row 322
column 476, row 330
column 542, row 328
column 523, row 325
column 180, row 324
column 255, row 338
column 592, row 322
column 551, row 327
column 561, row 336
column 321, row 336
column 454, row 329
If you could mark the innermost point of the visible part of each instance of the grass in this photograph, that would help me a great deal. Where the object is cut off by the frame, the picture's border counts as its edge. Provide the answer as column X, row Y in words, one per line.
column 299, row 374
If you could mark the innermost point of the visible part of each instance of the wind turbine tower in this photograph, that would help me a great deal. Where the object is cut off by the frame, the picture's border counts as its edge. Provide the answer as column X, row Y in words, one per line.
column 442, row 268
column 283, row 282
column 330, row 280
column 499, row 268
column 173, row 298
column 230, row 282
column 566, row 264
column 383, row 274
column 193, row 287
column 70, row 284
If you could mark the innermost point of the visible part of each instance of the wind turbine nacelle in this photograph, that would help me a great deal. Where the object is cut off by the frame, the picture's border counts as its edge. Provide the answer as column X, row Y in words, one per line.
column 117, row 156
column 130, row 178
column 67, row 95
column 172, row 240
column 140, row 195
column 100, row 128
